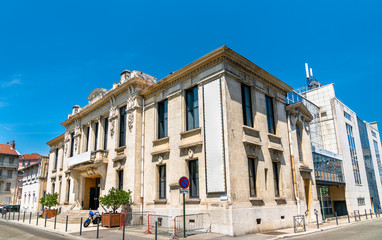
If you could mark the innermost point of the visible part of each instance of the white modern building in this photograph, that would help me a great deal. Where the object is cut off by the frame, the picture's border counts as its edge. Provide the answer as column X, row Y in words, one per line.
column 347, row 161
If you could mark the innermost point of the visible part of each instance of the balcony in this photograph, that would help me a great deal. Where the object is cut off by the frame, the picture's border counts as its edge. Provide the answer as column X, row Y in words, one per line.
column 3, row 178
column 9, row 165
column 328, row 169
column 89, row 157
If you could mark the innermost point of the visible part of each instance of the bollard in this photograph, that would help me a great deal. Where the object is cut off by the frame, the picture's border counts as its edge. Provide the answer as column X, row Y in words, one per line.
column 45, row 219
column 348, row 218
column 81, row 227
column 97, row 228
column 123, row 231
column 359, row 216
column 336, row 218
column 30, row 217
column 9, row 215
column 355, row 216
column 14, row 215
column 66, row 225
column 318, row 226
column 371, row 214
column 55, row 219
column 37, row 220
column 24, row 217
column 366, row 213
column 18, row 218
column 156, row 230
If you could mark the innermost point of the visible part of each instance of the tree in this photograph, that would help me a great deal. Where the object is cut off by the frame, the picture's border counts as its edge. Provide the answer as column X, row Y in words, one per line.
column 49, row 200
column 115, row 199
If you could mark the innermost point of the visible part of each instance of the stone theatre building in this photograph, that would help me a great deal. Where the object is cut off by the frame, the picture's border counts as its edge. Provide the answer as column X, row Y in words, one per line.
column 222, row 121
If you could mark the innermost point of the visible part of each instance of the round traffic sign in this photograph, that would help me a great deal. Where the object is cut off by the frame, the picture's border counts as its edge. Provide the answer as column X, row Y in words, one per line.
column 184, row 182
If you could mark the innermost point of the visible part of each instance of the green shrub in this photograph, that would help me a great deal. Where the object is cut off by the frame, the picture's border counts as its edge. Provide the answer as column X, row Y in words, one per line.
column 116, row 198
column 49, row 200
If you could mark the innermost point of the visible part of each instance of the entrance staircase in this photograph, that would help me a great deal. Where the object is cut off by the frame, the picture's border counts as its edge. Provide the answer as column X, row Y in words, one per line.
column 74, row 216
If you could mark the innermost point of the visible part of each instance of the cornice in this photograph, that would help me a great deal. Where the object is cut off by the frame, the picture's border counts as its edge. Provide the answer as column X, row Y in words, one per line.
column 56, row 140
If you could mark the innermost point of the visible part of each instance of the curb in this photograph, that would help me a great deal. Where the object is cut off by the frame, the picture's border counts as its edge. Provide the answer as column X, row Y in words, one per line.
column 306, row 233
column 45, row 229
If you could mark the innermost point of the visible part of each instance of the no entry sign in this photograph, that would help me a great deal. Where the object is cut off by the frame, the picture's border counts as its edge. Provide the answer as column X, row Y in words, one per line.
column 184, row 182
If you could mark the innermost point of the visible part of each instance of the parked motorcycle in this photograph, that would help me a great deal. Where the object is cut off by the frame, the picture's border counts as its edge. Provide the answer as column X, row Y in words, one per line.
column 94, row 217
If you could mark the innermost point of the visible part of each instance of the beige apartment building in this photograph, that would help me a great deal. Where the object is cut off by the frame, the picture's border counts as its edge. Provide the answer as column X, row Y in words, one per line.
column 222, row 121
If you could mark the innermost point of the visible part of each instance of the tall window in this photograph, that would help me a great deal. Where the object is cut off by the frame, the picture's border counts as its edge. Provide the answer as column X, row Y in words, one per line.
column 252, row 176
column 276, row 178
column 96, row 136
column 353, row 154
column 53, row 188
column 270, row 115
column 299, row 141
column 193, row 167
column 246, row 105
column 105, row 133
column 122, row 126
column 162, row 119
column 71, row 144
column 55, row 158
column 377, row 154
column 1, row 172
column 192, row 108
column 68, row 190
column 120, row 179
column 8, row 187
column 87, row 138
column 162, row 182
column 9, row 174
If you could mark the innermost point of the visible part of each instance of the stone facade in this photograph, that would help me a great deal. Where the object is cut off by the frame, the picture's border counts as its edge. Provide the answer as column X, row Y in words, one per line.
column 143, row 135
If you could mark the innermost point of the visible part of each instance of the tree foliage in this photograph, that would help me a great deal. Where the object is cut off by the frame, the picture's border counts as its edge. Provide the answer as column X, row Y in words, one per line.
column 116, row 198
column 49, row 200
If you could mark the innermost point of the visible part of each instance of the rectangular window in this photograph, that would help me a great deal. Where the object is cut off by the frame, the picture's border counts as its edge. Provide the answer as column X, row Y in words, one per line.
column 353, row 154
column 68, row 190
column 11, row 161
column 276, row 178
column 162, row 181
column 192, row 108
column 193, row 167
column 347, row 115
column 1, row 172
column 120, row 179
column 246, row 105
column 71, row 144
column 376, row 149
column 122, row 126
column 53, row 188
column 361, row 201
column 9, row 174
column 105, row 133
column 96, row 136
column 8, row 187
column 270, row 115
column 162, row 119
column 87, row 138
column 252, row 176
column 55, row 158
column 374, row 134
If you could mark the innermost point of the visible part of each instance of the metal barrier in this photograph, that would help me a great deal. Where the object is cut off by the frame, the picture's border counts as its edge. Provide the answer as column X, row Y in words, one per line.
column 200, row 222
column 299, row 223
column 165, row 223
column 357, row 216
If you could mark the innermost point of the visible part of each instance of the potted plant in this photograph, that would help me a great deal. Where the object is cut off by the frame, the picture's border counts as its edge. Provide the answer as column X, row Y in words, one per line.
column 49, row 200
column 114, row 200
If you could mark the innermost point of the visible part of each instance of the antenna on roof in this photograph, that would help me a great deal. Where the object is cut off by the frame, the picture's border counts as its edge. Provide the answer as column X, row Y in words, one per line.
column 311, row 73
column 307, row 71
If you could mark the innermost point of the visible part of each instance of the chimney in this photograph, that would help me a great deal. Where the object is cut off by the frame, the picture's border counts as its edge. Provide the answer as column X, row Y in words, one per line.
column 125, row 75
column 75, row 109
column 13, row 144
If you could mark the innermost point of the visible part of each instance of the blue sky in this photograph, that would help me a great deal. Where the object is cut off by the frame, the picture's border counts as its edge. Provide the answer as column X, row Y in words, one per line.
column 54, row 53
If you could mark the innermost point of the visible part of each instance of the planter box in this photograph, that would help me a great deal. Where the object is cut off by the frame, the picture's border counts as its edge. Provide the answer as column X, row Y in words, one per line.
column 49, row 213
column 110, row 219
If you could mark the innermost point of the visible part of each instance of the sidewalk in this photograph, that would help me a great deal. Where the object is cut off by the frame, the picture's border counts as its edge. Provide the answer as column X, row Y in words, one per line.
column 73, row 230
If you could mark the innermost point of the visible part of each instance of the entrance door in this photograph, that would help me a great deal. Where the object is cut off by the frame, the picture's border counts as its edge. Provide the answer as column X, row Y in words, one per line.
column 340, row 207
column 93, row 200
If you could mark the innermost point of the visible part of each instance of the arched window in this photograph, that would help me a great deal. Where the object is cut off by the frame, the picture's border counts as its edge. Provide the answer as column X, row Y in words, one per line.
column 299, row 141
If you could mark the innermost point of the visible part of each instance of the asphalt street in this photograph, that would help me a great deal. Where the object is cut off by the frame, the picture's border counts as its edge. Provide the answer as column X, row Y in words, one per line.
column 16, row 231
column 371, row 230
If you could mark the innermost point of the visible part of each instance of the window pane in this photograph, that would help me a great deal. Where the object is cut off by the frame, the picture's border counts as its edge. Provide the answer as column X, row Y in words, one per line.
column 246, row 105
column 194, row 178
column 252, row 177
column 276, row 179
column 122, row 126
column 162, row 119
column 270, row 115
column 105, row 133
column 162, row 182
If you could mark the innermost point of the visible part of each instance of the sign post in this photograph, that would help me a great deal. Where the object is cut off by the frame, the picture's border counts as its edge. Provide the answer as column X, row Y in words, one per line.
column 184, row 183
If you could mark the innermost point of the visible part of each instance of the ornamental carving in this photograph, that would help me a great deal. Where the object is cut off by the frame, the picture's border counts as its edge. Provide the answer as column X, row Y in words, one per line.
column 75, row 144
column 112, row 119
column 130, row 122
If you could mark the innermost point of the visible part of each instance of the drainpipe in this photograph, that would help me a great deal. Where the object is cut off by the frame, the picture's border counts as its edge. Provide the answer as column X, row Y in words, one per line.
column 143, row 149
column 293, row 167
